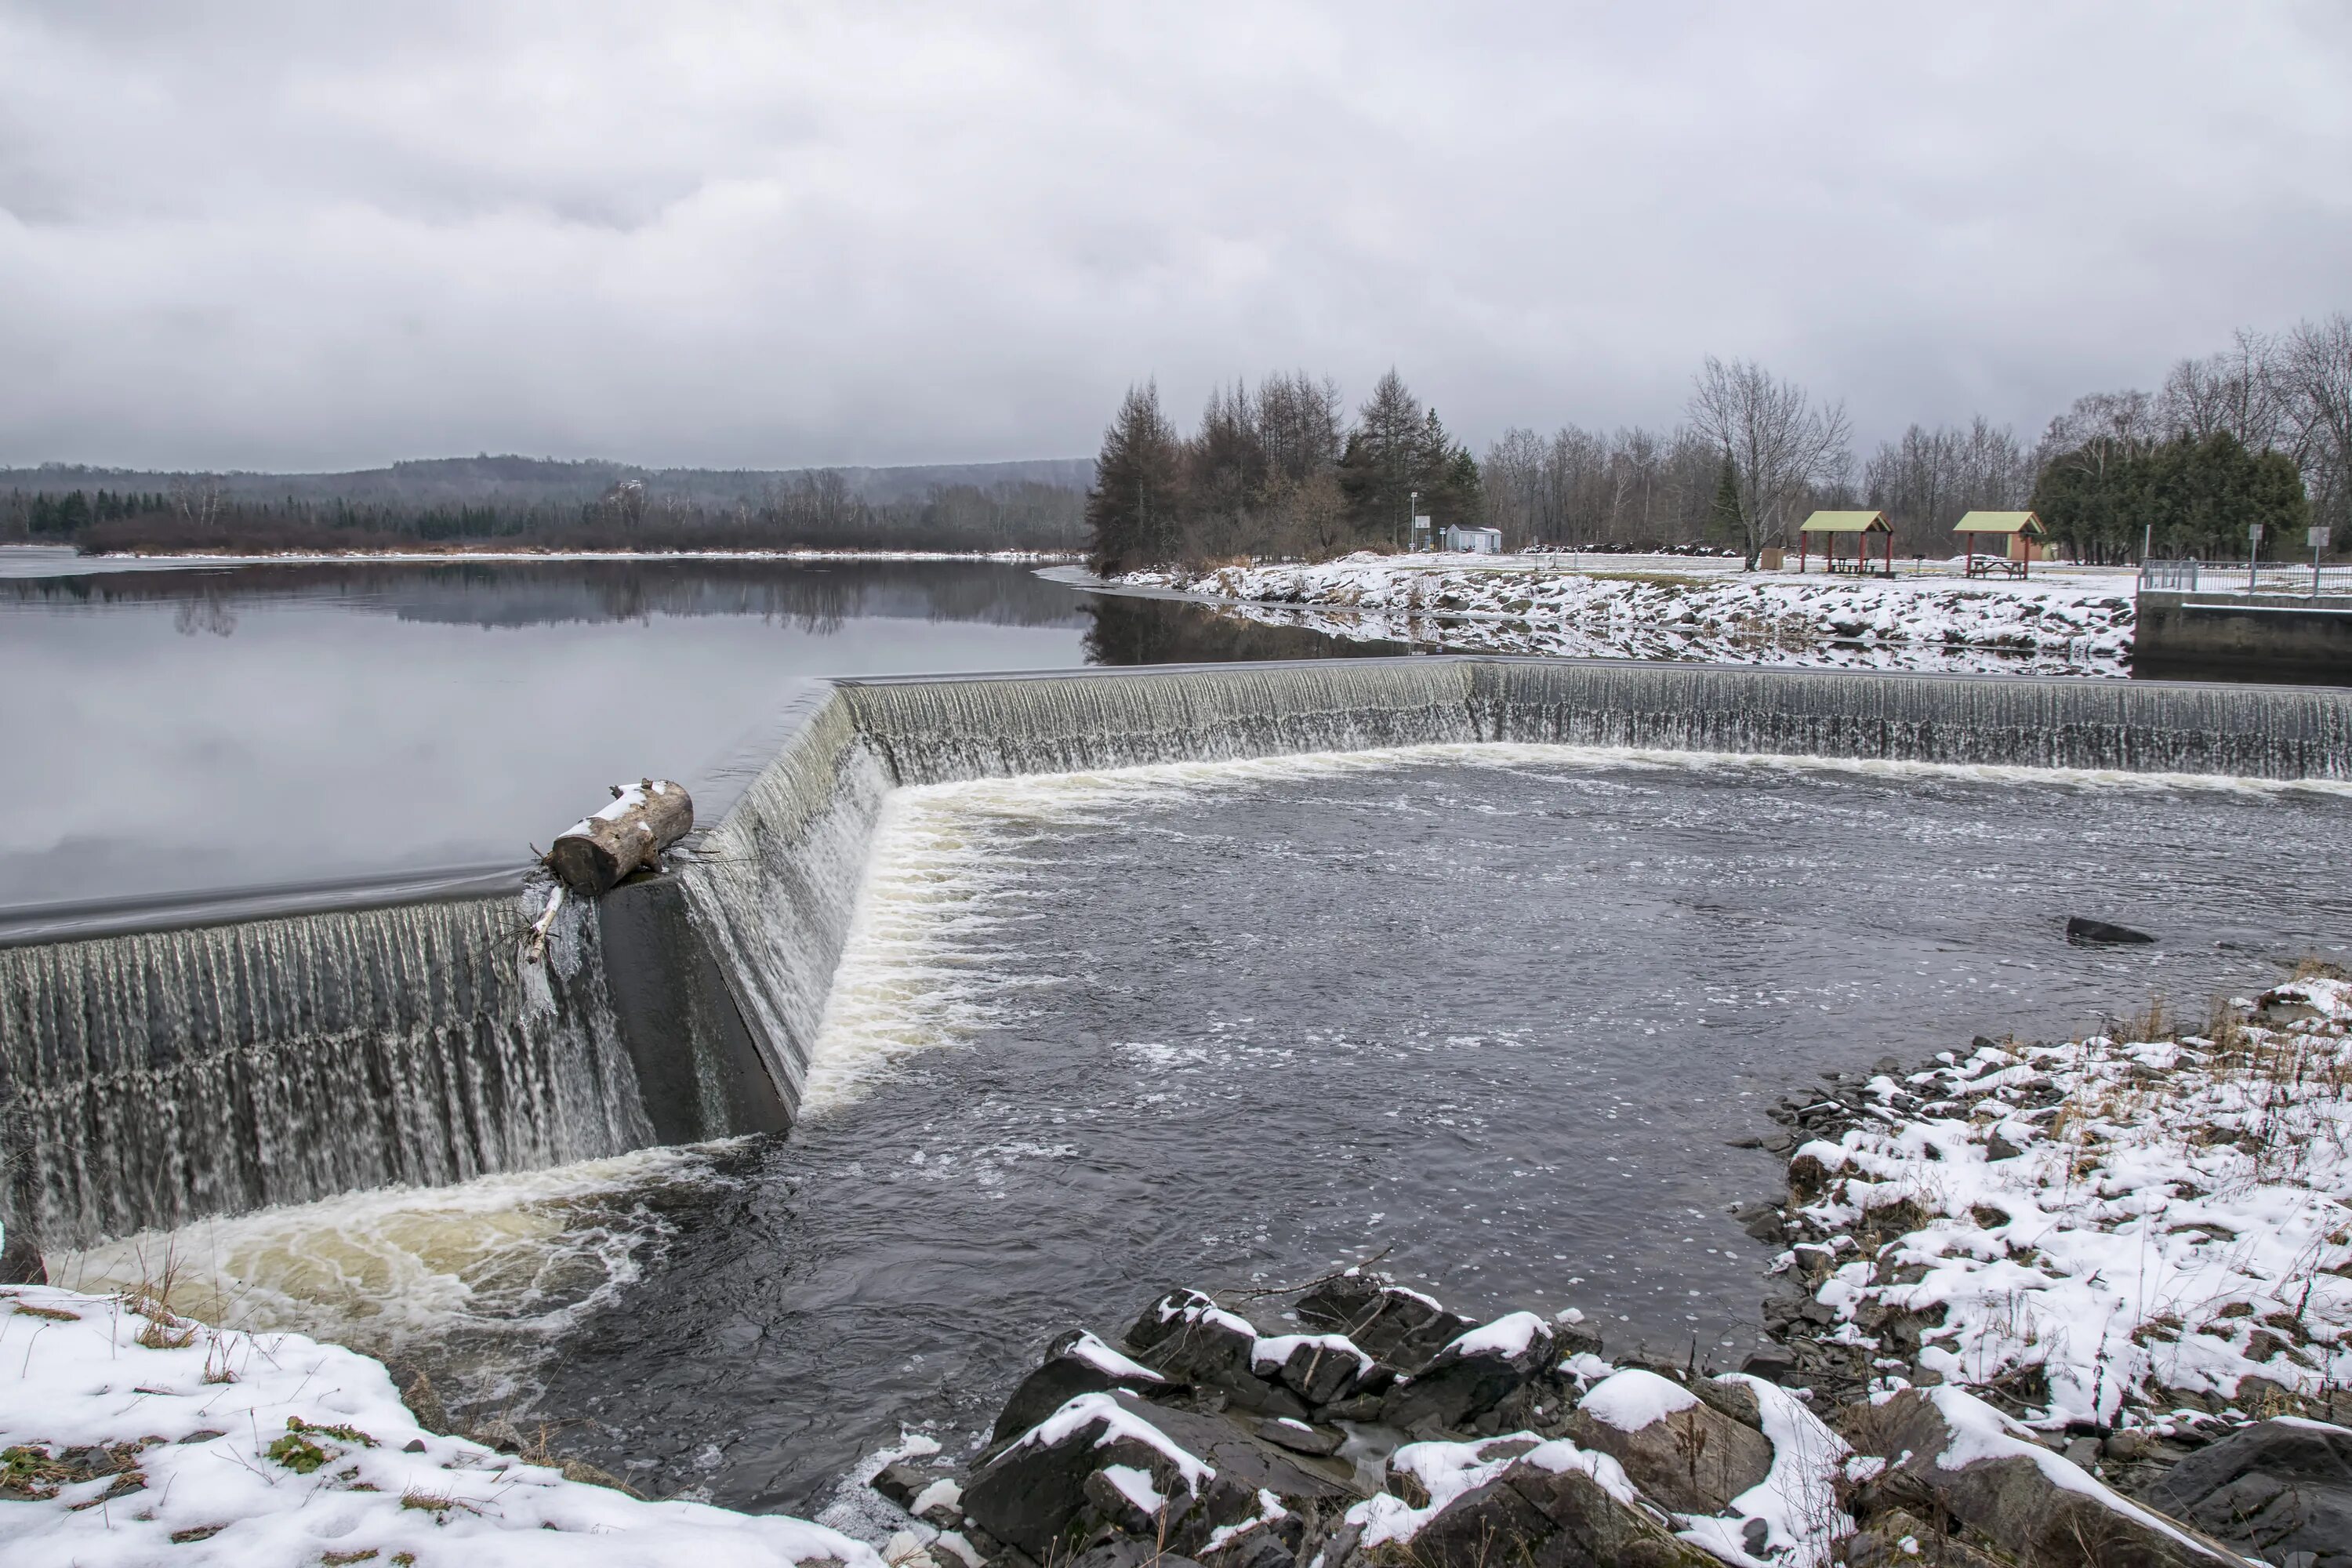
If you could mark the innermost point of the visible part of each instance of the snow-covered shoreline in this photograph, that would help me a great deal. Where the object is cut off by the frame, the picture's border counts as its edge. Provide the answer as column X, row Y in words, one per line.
column 130, row 1434
column 2140, row 1228
column 2074, row 624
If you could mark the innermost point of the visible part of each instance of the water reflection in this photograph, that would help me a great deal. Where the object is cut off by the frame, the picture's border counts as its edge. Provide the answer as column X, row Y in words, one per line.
column 215, row 727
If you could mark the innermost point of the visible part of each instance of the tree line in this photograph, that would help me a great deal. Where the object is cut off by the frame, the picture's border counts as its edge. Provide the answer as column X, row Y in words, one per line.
column 2258, row 433
column 1279, row 470
column 815, row 510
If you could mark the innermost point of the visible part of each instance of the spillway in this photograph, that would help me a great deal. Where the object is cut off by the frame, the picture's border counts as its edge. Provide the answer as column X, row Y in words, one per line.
column 152, row 1077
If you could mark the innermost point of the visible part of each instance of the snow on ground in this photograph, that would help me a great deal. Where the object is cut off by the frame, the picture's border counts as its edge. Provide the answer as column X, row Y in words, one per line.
column 2074, row 623
column 130, row 1434
column 2107, row 1229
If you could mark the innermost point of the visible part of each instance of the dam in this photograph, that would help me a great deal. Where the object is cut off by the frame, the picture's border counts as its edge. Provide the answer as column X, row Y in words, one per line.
column 1181, row 920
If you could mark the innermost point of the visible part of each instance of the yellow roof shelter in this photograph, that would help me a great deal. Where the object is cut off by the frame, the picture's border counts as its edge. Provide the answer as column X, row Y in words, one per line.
column 1829, row 527
column 2011, row 522
column 1847, row 522
column 2019, row 529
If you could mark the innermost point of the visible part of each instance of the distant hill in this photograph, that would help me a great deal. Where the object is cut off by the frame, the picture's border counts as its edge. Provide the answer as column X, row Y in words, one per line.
column 523, row 482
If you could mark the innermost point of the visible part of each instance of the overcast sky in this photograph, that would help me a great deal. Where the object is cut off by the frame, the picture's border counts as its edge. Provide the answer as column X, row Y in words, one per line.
column 319, row 235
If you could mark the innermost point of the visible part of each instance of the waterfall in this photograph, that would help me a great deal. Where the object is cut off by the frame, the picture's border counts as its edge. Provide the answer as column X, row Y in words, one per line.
column 770, row 889
column 150, row 1079
column 935, row 731
column 2047, row 721
column 153, row 1078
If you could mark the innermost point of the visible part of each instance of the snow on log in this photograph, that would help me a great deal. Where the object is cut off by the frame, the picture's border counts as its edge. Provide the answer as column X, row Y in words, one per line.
column 645, row 818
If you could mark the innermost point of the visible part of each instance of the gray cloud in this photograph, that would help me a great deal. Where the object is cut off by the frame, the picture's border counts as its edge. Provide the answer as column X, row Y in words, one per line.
column 302, row 236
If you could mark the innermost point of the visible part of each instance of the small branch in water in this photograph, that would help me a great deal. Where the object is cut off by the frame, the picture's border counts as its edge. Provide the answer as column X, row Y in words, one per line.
column 1310, row 1285
column 535, row 949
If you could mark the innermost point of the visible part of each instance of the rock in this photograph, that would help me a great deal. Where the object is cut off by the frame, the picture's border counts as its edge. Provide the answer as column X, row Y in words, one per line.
column 1300, row 1437
column 1186, row 1335
column 2271, row 1490
column 940, row 1503
column 1473, row 1374
column 1039, row 1492
column 1684, row 1455
column 1076, row 1363
column 20, row 1258
column 1130, row 1554
column 1531, row 1513
column 500, row 1433
column 1773, row 1365
column 902, row 1483
column 1736, row 1400
column 1034, row 1494
column 2084, row 932
column 1403, row 1328
column 1989, row 1473
column 1318, row 1368
column 2000, row 1148
column 1900, row 1540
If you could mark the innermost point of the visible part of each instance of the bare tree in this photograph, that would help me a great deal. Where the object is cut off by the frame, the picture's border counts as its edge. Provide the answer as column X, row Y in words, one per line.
column 2316, row 377
column 1778, row 441
column 2237, row 390
column 1300, row 421
column 200, row 498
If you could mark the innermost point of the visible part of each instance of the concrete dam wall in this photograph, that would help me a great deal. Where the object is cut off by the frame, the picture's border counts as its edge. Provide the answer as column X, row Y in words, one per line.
column 152, row 1076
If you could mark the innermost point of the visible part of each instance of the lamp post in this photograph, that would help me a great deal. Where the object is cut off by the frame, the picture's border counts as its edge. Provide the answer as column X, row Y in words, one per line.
column 2253, row 553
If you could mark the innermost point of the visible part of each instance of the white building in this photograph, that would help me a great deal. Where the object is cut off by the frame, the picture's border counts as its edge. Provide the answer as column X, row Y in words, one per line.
column 1474, row 541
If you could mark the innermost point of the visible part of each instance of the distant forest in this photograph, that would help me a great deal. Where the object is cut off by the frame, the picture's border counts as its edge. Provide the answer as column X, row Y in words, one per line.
column 538, row 504
column 2259, row 432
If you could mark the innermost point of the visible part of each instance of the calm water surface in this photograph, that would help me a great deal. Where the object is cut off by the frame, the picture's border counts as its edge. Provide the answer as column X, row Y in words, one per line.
column 243, row 726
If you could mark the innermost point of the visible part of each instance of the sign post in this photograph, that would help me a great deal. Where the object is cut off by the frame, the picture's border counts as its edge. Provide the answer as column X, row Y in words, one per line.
column 2319, row 537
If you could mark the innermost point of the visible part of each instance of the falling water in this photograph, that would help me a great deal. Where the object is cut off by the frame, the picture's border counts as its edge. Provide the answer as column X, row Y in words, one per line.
column 771, row 887
column 934, row 731
column 146, row 1080
column 153, row 1078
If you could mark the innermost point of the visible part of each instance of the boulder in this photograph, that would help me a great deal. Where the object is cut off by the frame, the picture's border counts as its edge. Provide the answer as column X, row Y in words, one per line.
column 1533, row 1513
column 1987, row 1471
column 1318, row 1368
column 1473, row 1374
column 2273, row 1490
column 1899, row 1540
column 1685, row 1453
column 1400, row 1327
column 902, row 1483
column 1112, row 1459
column 1076, row 1363
column 1185, row 1334
column 1299, row 1438
column 1035, row 1494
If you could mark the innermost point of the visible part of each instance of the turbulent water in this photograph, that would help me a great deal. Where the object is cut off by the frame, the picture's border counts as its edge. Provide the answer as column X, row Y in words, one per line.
column 1497, row 1010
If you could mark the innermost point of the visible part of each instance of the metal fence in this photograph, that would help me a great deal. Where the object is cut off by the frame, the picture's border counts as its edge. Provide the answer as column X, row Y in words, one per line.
column 2281, row 578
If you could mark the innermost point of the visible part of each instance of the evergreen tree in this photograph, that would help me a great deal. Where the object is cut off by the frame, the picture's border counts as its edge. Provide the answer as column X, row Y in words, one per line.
column 1383, row 462
column 2191, row 496
column 1723, row 516
column 1135, row 510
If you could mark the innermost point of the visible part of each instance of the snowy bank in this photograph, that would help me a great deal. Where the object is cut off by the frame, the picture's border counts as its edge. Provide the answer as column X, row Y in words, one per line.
column 2143, row 1228
column 2048, row 624
column 134, row 1436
